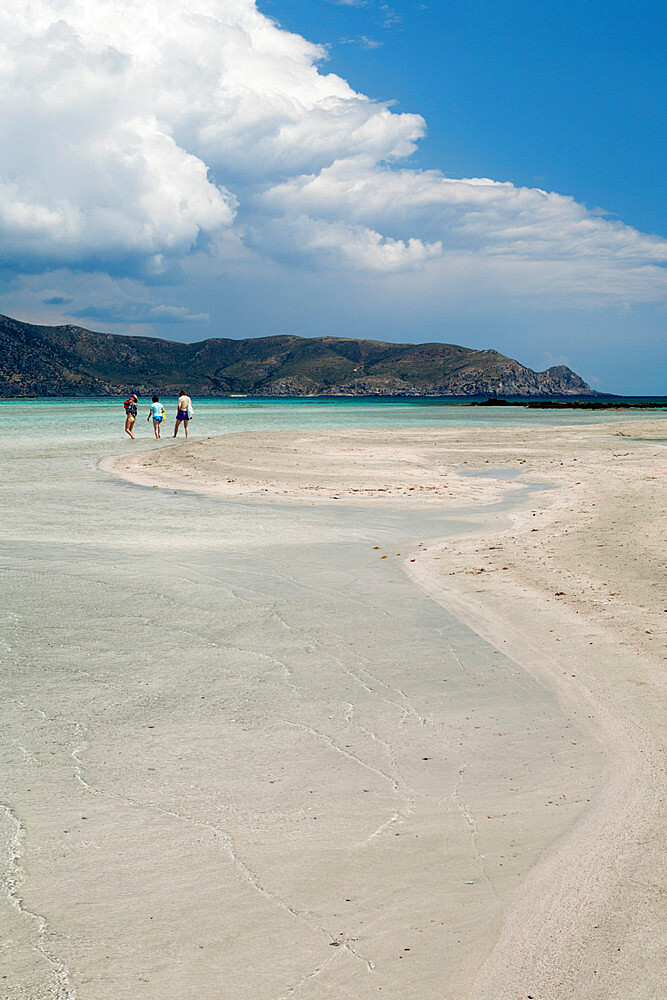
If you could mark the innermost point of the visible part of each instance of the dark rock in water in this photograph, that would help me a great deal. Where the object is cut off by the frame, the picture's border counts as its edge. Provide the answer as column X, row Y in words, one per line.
column 72, row 361
column 569, row 404
column 494, row 401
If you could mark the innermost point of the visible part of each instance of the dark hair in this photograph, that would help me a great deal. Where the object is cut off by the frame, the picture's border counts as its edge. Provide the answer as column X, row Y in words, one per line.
column 156, row 399
column 181, row 392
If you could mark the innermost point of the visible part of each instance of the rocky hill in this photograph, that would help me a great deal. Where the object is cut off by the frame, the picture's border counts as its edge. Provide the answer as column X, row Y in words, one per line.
column 68, row 360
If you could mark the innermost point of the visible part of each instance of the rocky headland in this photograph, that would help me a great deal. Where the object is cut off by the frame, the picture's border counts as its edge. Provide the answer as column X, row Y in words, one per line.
column 70, row 360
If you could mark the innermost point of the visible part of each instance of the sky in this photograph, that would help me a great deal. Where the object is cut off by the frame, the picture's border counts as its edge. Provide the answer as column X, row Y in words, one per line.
column 487, row 174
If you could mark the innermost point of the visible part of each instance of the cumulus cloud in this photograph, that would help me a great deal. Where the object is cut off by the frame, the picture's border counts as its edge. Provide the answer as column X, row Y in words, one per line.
column 140, row 135
column 302, row 239
column 88, row 169
column 124, row 121
column 482, row 215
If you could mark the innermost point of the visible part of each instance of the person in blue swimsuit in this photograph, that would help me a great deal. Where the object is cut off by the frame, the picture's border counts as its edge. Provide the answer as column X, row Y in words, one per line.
column 156, row 411
column 184, row 412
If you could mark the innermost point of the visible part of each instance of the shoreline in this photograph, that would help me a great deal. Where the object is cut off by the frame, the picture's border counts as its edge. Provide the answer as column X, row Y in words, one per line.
column 579, row 926
column 574, row 611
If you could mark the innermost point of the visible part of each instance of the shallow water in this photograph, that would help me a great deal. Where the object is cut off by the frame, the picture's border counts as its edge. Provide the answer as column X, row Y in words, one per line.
column 243, row 756
column 99, row 419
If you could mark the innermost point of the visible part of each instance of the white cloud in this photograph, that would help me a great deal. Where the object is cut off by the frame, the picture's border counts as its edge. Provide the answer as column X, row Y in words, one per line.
column 137, row 135
column 97, row 300
column 363, row 42
column 341, row 245
column 480, row 215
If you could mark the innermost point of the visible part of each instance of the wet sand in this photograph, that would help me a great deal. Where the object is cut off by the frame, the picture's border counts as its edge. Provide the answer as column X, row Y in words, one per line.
column 244, row 756
column 570, row 586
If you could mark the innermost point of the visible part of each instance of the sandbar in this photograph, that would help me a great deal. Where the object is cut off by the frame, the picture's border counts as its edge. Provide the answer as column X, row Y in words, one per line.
column 571, row 585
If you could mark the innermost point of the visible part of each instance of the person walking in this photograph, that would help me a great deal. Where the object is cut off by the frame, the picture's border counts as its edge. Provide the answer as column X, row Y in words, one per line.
column 130, row 405
column 156, row 411
column 185, row 412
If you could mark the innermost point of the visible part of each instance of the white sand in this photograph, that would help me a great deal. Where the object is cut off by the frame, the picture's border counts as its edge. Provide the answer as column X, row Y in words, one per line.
column 320, row 466
column 573, row 588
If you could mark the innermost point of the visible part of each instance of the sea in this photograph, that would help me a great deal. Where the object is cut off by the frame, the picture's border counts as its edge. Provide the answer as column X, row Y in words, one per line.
column 232, row 730
column 95, row 419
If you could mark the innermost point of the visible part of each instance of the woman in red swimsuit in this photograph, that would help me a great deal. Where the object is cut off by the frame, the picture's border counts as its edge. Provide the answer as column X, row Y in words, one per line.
column 130, row 414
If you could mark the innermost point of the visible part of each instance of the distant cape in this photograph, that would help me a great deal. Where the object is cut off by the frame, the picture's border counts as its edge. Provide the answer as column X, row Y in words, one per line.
column 72, row 361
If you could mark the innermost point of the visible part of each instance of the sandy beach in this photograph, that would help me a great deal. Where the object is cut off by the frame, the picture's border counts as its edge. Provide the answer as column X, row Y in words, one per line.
column 569, row 584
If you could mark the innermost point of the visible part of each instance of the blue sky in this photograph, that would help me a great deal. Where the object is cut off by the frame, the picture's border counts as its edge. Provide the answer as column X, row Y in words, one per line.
column 563, row 95
column 474, row 173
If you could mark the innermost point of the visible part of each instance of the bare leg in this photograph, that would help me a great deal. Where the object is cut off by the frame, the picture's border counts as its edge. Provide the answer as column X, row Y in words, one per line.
column 176, row 427
column 185, row 423
column 129, row 424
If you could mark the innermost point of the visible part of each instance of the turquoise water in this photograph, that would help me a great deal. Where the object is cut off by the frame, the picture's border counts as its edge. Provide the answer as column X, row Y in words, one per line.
column 52, row 447
column 96, row 424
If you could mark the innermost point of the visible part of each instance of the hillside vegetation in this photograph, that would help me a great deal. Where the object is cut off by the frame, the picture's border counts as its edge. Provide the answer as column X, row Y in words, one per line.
column 69, row 360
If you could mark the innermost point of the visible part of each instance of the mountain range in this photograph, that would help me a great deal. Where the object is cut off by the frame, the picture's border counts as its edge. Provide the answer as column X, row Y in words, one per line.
column 72, row 361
